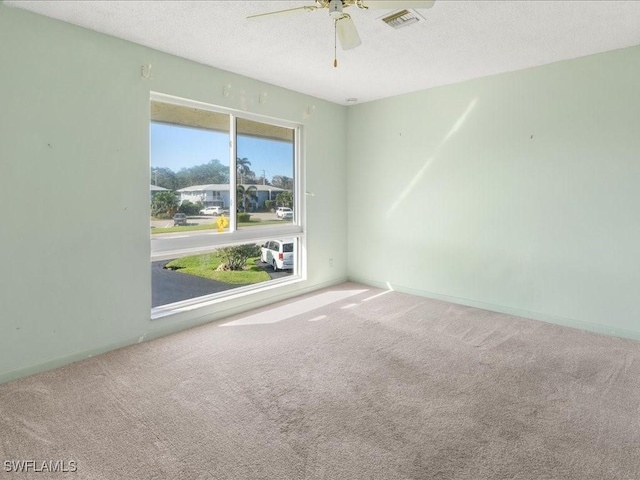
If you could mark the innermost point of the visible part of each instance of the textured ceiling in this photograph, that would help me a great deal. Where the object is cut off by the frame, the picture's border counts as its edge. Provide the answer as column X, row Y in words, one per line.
column 458, row 40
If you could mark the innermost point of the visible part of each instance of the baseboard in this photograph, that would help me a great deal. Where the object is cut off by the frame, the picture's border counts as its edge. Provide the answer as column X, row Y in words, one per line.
column 543, row 317
column 64, row 360
column 160, row 332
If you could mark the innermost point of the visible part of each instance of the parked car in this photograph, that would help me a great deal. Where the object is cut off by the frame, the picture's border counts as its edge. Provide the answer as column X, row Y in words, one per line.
column 179, row 219
column 284, row 212
column 278, row 254
column 212, row 211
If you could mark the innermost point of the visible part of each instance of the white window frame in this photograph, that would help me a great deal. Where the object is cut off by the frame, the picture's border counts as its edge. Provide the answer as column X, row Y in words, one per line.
column 235, row 236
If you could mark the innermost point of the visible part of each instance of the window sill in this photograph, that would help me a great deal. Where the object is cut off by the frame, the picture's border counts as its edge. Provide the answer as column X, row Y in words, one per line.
column 221, row 297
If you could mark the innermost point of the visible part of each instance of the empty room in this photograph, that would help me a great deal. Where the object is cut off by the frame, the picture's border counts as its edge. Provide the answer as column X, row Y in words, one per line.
column 330, row 239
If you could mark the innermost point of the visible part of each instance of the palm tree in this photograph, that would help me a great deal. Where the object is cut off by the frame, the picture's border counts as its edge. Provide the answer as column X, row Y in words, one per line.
column 244, row 195
column 285, row 199
column 242, row 165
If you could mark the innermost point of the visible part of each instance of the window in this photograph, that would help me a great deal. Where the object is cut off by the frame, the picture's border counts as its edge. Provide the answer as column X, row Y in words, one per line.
column 221, row 181
column 269, row 149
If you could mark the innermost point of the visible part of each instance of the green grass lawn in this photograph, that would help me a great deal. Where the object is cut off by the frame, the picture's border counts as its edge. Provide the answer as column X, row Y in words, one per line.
column 205, row 266
column 213, row 226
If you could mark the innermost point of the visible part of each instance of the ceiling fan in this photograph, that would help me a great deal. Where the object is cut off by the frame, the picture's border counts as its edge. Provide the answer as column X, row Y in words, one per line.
column 345, row 29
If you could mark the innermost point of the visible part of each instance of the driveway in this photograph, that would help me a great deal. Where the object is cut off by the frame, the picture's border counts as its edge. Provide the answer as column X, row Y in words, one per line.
column 169, row 286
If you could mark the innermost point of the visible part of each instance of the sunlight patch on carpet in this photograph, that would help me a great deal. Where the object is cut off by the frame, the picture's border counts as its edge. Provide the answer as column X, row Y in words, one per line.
column 351, row 305
column 377, row 295
column 296, row 308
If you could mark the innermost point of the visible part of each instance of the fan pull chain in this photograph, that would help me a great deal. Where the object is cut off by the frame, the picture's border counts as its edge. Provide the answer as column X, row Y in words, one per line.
column 335, row 42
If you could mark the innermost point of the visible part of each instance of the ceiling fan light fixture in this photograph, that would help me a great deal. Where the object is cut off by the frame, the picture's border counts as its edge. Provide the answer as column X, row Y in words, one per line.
column 347, row 33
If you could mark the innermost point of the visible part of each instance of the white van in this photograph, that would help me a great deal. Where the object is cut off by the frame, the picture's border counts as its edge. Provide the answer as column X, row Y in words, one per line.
column 278, row 254
column 212, row 211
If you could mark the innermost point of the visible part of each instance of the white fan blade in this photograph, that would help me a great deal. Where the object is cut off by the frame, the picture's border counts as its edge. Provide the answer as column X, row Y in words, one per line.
column 309, row 8
column 398, row 4
column 347, row 33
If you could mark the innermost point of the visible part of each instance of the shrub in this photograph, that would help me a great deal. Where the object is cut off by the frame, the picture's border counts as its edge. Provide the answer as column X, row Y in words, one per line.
column 164, row 203
column 235, row 258
column 270, row 205
column 243, row 217
column 189, row 208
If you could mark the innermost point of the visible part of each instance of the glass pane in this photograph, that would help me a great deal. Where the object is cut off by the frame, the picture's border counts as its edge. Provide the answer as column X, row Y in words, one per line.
column 189, row 156
column 223, row 269
column 265, row 173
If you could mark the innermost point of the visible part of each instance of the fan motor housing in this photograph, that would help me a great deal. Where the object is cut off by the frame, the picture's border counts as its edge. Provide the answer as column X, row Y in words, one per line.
column 335, row 8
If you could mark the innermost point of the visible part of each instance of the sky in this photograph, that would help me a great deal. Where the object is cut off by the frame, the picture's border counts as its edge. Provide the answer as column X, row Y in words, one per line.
column 177, row 147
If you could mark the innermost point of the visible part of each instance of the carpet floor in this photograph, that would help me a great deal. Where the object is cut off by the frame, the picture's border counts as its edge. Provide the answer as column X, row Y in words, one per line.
column 349, row 382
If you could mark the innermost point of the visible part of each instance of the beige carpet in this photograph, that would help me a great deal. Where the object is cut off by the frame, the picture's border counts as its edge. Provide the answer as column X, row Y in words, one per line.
column 348, row 383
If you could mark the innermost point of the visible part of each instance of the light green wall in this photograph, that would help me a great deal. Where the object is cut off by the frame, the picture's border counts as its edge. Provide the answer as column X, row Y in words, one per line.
column 518, row 192
column 448, row 193
column 74, row 174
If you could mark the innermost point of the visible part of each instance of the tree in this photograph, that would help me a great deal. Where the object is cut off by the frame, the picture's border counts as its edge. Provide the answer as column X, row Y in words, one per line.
column 213, row 172
column 262, row 180
column 242, row 165
column 164, row 203
column 207, row 173
column 282, row 181
column 285, row 199
column 251, row 179
column 244, row 195
column 164, row 177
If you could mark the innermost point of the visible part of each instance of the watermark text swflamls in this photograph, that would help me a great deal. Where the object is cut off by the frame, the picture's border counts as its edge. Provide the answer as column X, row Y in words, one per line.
column 48, row 466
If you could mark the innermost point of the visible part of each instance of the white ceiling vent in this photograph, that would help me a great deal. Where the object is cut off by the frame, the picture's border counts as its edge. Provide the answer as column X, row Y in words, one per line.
column 402, row 18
